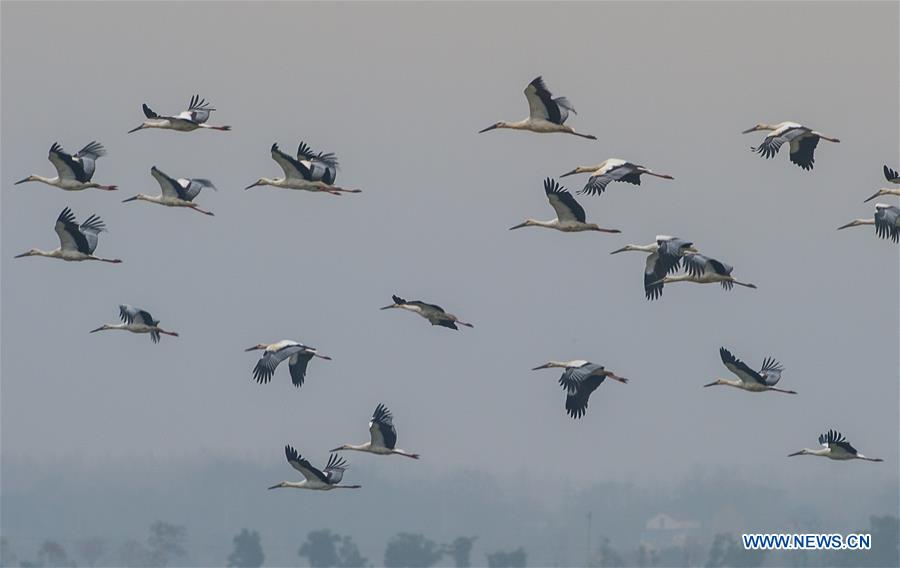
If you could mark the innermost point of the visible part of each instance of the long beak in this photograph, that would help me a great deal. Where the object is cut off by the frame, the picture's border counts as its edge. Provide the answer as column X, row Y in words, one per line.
column 519, row 226
column 22, row 255
column 275, row 486
column 21, row 181
column 749, row 130
column 130, row 199
column 846, row 226
column 795, row 454
column 254, row 348
column 135, row 129
column 712, row 384
column 491, row 127
column 569, row 173
column 337, row 449
column 623, row 249
column 98, row 329
column 866, row 201
column 544, row 366
column 388, row 307
column 254, row 184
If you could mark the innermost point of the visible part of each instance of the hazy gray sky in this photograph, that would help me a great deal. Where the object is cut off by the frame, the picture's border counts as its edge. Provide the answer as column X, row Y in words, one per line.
column 399, row 91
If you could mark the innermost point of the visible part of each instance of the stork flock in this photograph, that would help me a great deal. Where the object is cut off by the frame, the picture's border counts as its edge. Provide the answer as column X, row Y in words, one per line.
column 312, row 171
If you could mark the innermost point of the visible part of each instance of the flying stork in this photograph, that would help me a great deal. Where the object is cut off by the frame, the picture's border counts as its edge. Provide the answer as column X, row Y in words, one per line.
column 76, row 242
column 73, row 173
column 579, row 380
column 570, row 217
column 308, row 171
column 749, row 380
column 137, row 320
column 803, row 141
column 664, row 258
column 191, row 119
column 545, row 113
column 702, row 269
column 382, row 436
column 886, row 221
column 893, row 177
column 612, row 169
column 433, row 313
column 297, row 354
column 836, row 448
column 317, row 479
column 175, row 192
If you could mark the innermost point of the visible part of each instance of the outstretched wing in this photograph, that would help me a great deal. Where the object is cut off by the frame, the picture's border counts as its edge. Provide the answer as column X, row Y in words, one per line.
column 270, row 360
column 654, row 272
column 381, row 428
column 67, row 167
column 891, row 175
column 198, row 110
column 293, row 168
column 302, row 465
column 834, row 439
column 577, row 401
column 304, row 152
column 297, row 366
column 334, row 471
column 131, row 314
column 887, row 223
column 542, row 105
column 567, row 209
column 87, row 158
column 573, row 377
column 803, row 149
column 739, row 368
column 169, row 185
column 771, row 371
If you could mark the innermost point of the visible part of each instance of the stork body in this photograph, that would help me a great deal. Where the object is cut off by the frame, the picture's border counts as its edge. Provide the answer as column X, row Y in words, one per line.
column 886, row 221
column 802, row 141
column 836, row 447
column 546, row 114
column 570, row 216
column 702, row 269
column 76, row 242
column 432, row 312
column 314, row 478
column 73, row 172
column 136, row 320
column 175, row 192
column 297, row 355
column 186, row 121
column 664, row 258
column 307, row 172
column 610, row 170
column 579, row 380
column 749, row 380
column 382, row 436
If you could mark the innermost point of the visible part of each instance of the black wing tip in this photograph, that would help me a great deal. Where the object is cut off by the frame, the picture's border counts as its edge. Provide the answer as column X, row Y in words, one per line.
column 397, row 299
column 290, row 453
column 148, row 112
column 727, row 356
column 552, row 186
column 890, row 174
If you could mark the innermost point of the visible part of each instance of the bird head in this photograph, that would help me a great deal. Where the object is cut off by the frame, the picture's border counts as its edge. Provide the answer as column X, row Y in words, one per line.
column 879, row 193
column 714, row 383
column 29, row 178
column 579, row 170
column 279, row 485
column 101, row 328
column 135, row 198
column 546, row 365
column 260, row 181
column 256, row 347
column 500, row 124
column 802, row 452
column 339, row 448
column 525, row 223
column 143, row 125
column 31, row 252
column 759, row 126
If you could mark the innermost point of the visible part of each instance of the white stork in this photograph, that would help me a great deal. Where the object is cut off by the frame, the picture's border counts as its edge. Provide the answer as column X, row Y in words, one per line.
column 73, row 173
column 432, row 312
column 317, row 479
column 886, row 221
column 803, row 141
column 545, row 113
column 191, row 119
column 702, row 269
column 893, row 177
column 836, row 448
column 579, row 380
column 570, row 217
column 76, row 242
column 137, row 320
column 382, row 436
column 749, row 380
column 297, row 354
column 664, row 258
column 612, row 169
column 175, row 192
column 308, row 172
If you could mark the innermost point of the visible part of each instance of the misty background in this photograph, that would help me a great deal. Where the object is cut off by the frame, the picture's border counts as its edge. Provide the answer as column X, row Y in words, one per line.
column 104, row 434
